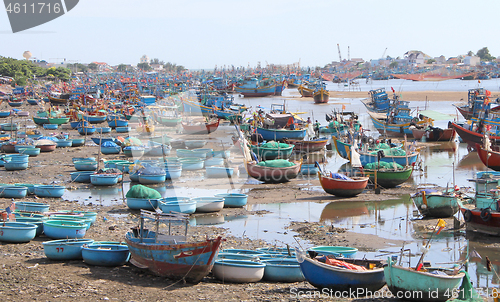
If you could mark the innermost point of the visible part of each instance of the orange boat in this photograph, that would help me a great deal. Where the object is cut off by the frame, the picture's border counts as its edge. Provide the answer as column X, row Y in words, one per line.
column 343, row 187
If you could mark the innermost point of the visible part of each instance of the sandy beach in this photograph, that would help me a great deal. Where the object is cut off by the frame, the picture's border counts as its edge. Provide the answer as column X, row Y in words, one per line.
column 27, row 275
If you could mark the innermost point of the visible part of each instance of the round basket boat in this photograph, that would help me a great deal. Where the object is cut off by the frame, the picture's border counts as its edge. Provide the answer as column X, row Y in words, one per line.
column 65, row 249
column 29, row 206
column 177, row 204
column 33, row 220
column 152, row 178
column 85, row 165
column 104, row 179
column 283, row 270
column 142, row 203
column 61, row 229
column 81, row 176
column 233, row 200
column 13, row 191
column 17, row 231
column 49, row 191
column 208, row 204
column 238, row 271
column 105, row 254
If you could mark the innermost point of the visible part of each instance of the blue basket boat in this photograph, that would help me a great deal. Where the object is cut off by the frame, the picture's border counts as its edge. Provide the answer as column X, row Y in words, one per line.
column 85, row 165
column 61, row 229
column 105, row 254
column 142, row 203
column 104, row 179
column 196, row 153
column 13, row 192
column 177, row 204
column 65, row 249
column 111, row 150
column 23, row 158
column 64, row 143
column 78, row 124
column 4, row 114
column 49, row 191
column 75, row 159
column 219, row 172
column 33, row 220
column 134, row 177
column 233, row 200
column 214, row 161
column 29, row 206
column 86, row 130
column 103, row 130
column 191, row 164
column 50, row 126
column 85, row 220
column 91, row 215
column 17, row 231
column 81, row 176
column 30, row 151
column 337, row 251
column 15, row 165
column 102, row 140
column 77, row 142
column 283, row 270
column 123, row 129
column 193, row 144
column 208, row 204
column 146, row 179
column 173, row 170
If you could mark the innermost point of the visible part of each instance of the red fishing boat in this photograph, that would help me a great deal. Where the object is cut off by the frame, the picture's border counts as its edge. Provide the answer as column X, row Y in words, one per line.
column 490, row 158
column 479, row 220
column 348, row 187
column 201, row 127
column 321, row 96
column 434, row 134
column 472, row 137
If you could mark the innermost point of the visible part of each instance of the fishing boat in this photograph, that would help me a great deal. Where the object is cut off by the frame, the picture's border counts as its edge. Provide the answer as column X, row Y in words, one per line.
column 280, row 134
column 268, row 172
column 471, row 136
column 272, row 150
column 341, row 185
column 201, row 127
column 255, row 88
column 238, row 271
column 343, row 273
column 379, row 101
column 307, row 145
column 434, row 203
column 477, row 105
column 86, row 130
column 58, row 120
column 431, row 284
column 434, row 134
column 387, row 175
column 320, row 94
column 168, row 255
column 305, row 91
column 490, row 157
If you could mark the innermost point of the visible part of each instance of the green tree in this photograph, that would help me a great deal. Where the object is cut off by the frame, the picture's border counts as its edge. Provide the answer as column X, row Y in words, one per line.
column 430, row 61
column 93, row 66
column 122, row 68
column 144, row 66
column 393, row 64
column 484, row 54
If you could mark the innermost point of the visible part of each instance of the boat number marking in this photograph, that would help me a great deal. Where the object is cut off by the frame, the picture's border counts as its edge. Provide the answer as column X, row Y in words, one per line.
column 1, row 233
column 60, row 249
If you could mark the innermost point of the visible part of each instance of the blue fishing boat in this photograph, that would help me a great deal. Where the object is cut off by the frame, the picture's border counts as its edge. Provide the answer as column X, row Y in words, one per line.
column 104, row 179
column 28, row 206
column 64, row 229
column 81, row 176
column 152, row 178
column 283, row 270
column 113, row 123
column 173, row 170
column 177, row 204
column 103, row 130
column 86, row 130
column 64, row 143
column 95, row 119
column 280, row 134
column 168, row 255
column 105, row 254
column 256, row 88
column 233, row 200
column 85, row 165
column 13, row 191
column 142, row 203
column 50, row 126
column 4, row 113
column 342, row 274
column 49, row 191
column 78, row 124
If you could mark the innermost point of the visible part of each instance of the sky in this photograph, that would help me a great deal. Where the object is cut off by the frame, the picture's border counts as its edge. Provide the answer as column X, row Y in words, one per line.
column 207, row 33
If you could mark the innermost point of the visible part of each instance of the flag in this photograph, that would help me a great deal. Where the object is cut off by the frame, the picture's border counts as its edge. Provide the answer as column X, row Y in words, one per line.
column 393, row 91
column 343, row 107
column 441, row 224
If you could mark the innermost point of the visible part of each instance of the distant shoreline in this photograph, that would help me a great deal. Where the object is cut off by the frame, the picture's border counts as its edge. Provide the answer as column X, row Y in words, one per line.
column 449, row 96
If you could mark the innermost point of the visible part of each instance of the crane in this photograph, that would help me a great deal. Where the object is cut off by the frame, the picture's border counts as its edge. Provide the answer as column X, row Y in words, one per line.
column 340, row 56
column 383, row 54
column 348, row 53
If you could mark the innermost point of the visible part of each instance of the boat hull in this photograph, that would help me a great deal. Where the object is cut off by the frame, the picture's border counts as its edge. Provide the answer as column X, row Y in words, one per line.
column 438, row 206
column 474, row 222
column 341, row 187
column 307, row 146
column 280, row 134
column 490, row 159
column 272, row 175
column 388, row 178
column 205, row 128
column 439, row 135
column 188, row 261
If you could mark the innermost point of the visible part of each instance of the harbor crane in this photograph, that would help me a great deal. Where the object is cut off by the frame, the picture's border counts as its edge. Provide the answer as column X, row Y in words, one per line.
column 340, row 56
column 383, row 54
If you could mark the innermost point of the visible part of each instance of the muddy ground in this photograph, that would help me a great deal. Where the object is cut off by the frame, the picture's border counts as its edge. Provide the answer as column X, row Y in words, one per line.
column 27, row 275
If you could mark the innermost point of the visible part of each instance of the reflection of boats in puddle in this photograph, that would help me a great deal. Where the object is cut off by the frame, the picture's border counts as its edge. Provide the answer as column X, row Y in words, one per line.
column 442, row 147
column 342, row 209
column 471, row 161
column 213, row 219
column 484, row 277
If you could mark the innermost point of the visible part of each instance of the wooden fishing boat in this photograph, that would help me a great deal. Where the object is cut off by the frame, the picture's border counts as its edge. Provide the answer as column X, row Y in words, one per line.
column 389, row 178
column 272, row 174
column 201, row 128
column 485, row 220
column 343, row 187
column 472, row 137
column 434, row 134
column 59, row 101
column 265, row 153
column 399, row 127
column 307, row 145
column 421, row 285
column 40, row 120
column 168, row 255
column 255, row 88
column 490, row 158
column 341, row 278
column 321, row 96
column 305, row 91
column 15, row 103
column 438, row 204
column 58, row 120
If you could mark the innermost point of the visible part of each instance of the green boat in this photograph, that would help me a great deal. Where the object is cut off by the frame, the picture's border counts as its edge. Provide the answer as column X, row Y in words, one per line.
column 429, row 284
column 439, row 204
column 58, row 120
column 271, row 151
column 39, row 120
column 388, row 177
column 168, row 121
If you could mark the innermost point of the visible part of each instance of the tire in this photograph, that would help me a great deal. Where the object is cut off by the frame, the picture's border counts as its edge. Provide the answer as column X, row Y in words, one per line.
column 468, row 216
column 485, row 214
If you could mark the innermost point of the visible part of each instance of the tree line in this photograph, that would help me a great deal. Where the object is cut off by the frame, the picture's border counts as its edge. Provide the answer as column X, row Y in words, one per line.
column 23, row 70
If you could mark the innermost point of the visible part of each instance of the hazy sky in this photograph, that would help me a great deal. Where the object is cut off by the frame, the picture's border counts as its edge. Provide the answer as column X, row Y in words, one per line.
column 205, row 33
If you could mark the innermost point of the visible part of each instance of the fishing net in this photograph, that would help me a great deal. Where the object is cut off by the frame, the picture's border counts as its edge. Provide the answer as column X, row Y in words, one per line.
column 276, row 163
column 274, row 145
column 391, row 152
column 467, row 291
column 383, row 165
column 109, row 144
column 339, row 176
column 140, row 191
